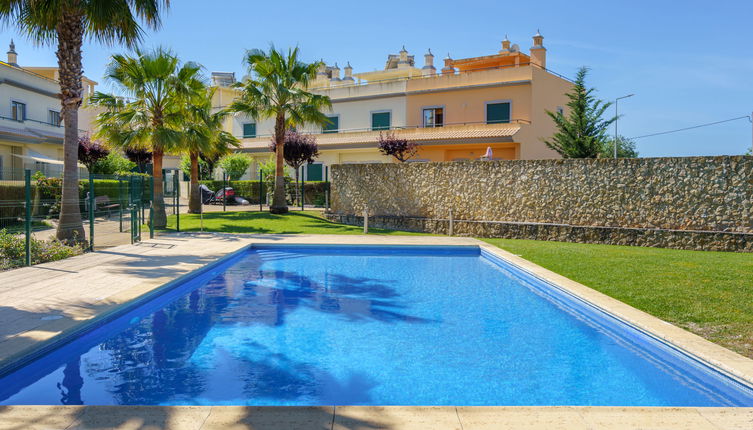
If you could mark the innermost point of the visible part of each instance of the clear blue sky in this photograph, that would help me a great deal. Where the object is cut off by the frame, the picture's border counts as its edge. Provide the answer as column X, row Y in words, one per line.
column 687, row 62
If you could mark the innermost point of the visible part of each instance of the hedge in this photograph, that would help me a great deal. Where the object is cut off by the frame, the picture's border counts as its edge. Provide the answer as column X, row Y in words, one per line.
column 249, row 190
column 46, row 197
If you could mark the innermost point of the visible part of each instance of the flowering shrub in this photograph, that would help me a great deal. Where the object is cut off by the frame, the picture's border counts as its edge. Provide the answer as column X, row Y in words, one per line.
column 401, row 149
column 90, row 151
column 13, row 250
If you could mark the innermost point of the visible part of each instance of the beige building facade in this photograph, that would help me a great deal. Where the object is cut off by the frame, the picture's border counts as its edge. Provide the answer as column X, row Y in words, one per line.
column 31, row 131
column 496, row 101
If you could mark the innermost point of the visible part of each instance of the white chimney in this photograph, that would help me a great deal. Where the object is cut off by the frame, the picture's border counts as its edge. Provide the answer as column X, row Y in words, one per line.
column 12, row 56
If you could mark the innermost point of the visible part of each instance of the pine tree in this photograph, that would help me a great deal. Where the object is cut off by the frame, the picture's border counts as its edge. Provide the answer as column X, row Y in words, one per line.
column 583, row 133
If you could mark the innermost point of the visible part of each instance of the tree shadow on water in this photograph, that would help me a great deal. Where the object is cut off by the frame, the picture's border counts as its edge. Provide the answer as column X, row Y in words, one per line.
column 354, row 299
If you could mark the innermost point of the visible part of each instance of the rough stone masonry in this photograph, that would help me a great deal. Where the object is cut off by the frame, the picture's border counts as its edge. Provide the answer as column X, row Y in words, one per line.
column 683, row 202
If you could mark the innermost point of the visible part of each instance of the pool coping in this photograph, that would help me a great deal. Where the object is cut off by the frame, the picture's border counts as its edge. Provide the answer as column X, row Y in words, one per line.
column 729, row 362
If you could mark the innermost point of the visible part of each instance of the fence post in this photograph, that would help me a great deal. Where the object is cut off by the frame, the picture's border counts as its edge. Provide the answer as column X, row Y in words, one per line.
column 151, row 207
column 224, row 191
column 176, row 190
column 261, row 187
column 365, row 220
column 451, row 229
column 27, row 220
column 91, row 212
column 326, row 187
column 120, row 205
column 303, row 190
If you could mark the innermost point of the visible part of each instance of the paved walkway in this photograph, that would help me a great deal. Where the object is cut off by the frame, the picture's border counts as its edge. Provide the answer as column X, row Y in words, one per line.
column 371, row 418
column 39, row 304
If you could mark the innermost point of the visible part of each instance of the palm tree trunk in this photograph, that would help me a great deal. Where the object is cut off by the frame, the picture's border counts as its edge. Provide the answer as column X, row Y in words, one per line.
column 279, row 205
column 194, row 197
column 70, row 30
column 158, row 204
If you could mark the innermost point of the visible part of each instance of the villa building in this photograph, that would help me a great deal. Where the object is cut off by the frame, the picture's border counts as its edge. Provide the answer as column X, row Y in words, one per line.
column 31, row 132
column 456, row 113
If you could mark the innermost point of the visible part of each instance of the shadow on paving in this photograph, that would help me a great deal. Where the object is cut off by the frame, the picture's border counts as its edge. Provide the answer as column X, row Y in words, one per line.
column 183, row 418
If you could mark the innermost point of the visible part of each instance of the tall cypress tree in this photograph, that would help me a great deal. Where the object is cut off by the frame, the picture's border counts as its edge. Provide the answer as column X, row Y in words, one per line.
column 583, row 132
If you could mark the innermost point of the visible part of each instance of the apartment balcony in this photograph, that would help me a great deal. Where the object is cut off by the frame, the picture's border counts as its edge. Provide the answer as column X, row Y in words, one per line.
column 30, row 131
column 449, row 134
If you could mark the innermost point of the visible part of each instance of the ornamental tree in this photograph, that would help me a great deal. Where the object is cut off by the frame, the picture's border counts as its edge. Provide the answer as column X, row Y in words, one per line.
column 90, row 151
column 298, row 149
column 401, row 149
column 235, row 165
column 583, row 132
column 140, row 156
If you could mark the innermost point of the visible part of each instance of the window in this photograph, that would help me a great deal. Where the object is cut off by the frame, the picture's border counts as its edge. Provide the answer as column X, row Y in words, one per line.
column 18, row 111
column 434, row 117
column 498, row 113
column 381, row 120
column 53, row 117
column 249, row 129
column 333, row 125
column 314, row 172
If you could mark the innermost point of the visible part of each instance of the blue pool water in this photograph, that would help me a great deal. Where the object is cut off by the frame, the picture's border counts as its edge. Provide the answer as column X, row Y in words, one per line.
column 374, row 326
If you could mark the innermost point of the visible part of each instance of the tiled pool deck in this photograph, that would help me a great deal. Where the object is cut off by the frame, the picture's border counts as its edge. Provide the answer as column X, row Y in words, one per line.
column 41, row 303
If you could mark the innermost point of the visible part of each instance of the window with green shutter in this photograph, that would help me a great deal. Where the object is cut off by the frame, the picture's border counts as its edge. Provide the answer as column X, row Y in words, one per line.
column 314, row 172
column 332, row 125
column 380, row 120
column 249, row 129
column 497, row 113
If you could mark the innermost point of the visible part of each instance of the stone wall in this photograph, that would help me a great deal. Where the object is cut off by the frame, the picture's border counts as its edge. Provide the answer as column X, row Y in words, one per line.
column 688, row 203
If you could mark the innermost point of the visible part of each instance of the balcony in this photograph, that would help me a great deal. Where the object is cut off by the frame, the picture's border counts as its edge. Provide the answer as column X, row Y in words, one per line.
column 365, row 138
column 30, row 131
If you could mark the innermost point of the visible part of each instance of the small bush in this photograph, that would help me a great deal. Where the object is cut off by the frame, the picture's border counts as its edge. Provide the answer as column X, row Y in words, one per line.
column 13, row 250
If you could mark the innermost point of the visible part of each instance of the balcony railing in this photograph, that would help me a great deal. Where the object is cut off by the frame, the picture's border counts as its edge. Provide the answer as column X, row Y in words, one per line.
column 30, row 121
column 21, row 121
column 397, row 128
column 439, row 73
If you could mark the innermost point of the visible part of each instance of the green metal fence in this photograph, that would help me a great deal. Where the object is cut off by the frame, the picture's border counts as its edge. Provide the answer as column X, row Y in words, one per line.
column 114, row 210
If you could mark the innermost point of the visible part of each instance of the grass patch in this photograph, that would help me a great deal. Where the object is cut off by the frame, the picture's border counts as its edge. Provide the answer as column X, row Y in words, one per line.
column 708, row 293
column 307, row 222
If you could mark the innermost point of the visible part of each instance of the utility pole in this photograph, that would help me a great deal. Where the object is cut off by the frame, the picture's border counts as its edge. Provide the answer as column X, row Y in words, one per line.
column 616, row 117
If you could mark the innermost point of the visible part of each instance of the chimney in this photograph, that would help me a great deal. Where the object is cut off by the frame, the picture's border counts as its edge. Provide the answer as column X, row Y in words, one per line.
column 538, row 52
column 335, row 73
column 505, row 46
column 428, row 68
column 448, row 69
column 321, row 72
column 12, row 56
column 348, row 72
column 403, row 62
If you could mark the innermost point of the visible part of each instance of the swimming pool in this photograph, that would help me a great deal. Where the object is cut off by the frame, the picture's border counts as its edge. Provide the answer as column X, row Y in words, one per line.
column 316, row 325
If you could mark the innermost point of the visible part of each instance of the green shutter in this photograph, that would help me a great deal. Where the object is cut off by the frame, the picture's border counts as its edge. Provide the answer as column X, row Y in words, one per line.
column 249, row 129
column 380, row 121
column 314, row 172
column 332, row 126
column 497, row 113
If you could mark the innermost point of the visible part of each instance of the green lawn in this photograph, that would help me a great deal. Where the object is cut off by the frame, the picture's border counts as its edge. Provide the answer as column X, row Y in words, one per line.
column 307, row 222
column 708, row 293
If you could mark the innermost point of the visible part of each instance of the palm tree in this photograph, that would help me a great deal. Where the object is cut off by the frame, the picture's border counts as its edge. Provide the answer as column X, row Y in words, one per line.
column 204, row 134
column 68, row 22
column 151, row 113
column 277, row 88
